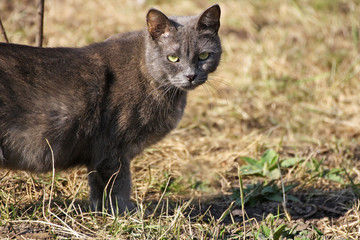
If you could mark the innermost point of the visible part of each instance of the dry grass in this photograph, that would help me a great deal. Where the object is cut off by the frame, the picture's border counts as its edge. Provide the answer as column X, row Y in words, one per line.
column 288, row 81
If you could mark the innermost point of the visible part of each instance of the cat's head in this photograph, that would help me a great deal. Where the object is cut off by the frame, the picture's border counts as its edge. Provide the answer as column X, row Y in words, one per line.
column 182, row 51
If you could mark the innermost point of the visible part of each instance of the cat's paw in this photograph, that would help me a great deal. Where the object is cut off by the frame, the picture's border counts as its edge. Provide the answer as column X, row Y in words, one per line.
column 121, row 206
column 115, row 207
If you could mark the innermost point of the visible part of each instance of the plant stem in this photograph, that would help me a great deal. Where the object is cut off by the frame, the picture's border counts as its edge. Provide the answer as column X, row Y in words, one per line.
column 39, row 37
column 3, row 32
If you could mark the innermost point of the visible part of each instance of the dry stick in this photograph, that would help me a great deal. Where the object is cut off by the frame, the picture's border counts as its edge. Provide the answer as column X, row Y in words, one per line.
column 53, row 174
column 287, row 214
column 52, row 183
column 51, row 194
column 241, row 186
column 3, row 32
column 162, row 197
column 115, row 175
column 39, row 37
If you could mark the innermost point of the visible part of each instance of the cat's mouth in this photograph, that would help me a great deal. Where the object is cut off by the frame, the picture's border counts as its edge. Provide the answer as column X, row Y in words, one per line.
column 188, row 85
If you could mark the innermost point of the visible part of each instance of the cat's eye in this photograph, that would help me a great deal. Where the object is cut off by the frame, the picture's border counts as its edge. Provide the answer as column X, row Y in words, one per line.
column 173, row 58
column 204, row 56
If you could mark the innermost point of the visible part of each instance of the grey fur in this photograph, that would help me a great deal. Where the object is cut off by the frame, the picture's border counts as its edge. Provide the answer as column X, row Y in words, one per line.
column 101, row 105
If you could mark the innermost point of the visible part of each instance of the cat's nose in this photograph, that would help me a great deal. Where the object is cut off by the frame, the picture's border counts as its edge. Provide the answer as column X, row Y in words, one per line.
column 191, row 77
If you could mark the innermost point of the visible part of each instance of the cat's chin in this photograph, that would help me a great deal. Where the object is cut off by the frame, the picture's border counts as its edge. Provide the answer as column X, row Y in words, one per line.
column 189, row 86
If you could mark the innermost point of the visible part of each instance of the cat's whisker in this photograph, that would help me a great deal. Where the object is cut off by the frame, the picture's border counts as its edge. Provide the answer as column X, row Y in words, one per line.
column 213, row 79
column 217, row 90
column 159, row 87
column 208, row 92
column 175, row 92
column 217, row 77
column 159, row 105
column 172, row 91
column 167, row 90
column 212, row 93
column 219, row 80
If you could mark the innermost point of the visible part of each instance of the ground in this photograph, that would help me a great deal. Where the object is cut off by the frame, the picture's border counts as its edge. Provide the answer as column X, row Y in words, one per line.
column 280, row 119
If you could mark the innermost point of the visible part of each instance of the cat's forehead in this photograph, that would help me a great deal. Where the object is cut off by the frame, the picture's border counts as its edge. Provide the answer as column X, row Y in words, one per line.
column 184, row 22
column 185, row 29
column 186, row 38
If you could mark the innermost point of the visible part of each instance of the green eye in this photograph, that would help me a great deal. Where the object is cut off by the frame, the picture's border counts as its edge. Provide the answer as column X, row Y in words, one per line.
column 203, row 56
column 173, row 58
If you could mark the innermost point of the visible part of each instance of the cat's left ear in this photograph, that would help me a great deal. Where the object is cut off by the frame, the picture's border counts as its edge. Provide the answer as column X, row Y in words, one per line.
column 158, row 23
column 209, row 20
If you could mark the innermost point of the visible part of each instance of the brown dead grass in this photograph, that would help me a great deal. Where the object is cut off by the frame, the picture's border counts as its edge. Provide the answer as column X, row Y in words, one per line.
column 289, row 80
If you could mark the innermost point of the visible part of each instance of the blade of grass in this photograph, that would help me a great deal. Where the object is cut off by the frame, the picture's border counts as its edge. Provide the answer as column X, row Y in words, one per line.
column 287, row 214
column 241, row 186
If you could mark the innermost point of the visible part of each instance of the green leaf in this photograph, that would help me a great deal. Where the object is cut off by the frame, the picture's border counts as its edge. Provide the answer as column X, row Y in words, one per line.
column 317, row 230
column 265, row 169
column 274, row 174
column 318, row 164
column 278, row 231
column 261, row 236
column 253, row 194
column 293, row 198
column 289, row 187
column 273, row 162
column 269, row 156
column 290, row 162
column 238, row 202
column 251, row 161
column 265, row 230
column 335, row 178
column 301, row 238
column 276, row 197
column 269, row 189
column 250, row 170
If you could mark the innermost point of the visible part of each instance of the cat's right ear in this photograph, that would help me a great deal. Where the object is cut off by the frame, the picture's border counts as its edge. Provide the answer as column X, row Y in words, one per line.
column 158, row 23
column 210, row 19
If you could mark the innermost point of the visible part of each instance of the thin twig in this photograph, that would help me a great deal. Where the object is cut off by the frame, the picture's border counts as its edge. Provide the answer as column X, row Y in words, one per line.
column 115, row 175
column 39, row 37
column 242, row 198
column 287, row 214
column 162, row 197
column 3, row 32
column 52, row 184
column 53, row 174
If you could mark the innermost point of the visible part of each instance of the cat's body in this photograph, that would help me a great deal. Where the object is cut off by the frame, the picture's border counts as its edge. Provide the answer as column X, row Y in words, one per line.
column 73, row 112
column 101, row 105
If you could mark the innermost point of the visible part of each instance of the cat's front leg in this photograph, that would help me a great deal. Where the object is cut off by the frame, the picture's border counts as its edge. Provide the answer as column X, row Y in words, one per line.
column 110, row 186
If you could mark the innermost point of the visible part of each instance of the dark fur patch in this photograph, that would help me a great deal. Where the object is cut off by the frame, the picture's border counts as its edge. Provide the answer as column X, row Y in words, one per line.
column 99, row 105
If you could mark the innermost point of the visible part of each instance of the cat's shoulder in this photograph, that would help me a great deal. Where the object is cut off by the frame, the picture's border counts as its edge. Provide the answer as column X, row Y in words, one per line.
column 13, row 47
column 126, row 36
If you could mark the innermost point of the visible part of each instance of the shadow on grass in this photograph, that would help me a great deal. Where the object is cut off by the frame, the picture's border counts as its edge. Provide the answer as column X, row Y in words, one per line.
column 312, row 205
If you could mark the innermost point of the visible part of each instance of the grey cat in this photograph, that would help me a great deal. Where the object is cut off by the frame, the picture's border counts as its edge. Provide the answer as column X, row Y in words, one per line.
column 102, row 104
